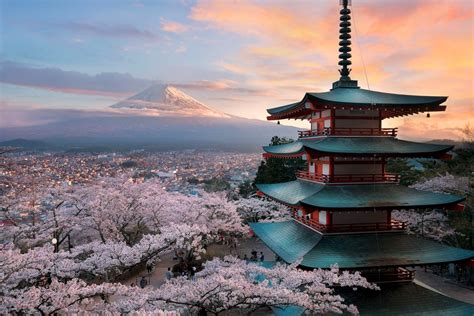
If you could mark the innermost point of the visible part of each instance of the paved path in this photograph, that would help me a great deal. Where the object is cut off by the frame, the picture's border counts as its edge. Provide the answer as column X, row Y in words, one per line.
column 440, row 284
column 245, row 246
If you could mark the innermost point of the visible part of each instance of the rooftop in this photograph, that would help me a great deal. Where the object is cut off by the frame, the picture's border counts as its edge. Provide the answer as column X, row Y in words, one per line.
column 406, row 299
column 291, row 240
column 350, row 197
column 391, row 104
column 359, row 146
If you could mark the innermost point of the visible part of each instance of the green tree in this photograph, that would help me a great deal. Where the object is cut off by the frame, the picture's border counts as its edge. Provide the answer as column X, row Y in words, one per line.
column 216, row 185
column 274, row 170
column 246, row 189
column 408, row 175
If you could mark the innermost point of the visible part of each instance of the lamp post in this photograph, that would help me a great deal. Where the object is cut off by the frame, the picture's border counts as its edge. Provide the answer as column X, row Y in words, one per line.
column 54, row 241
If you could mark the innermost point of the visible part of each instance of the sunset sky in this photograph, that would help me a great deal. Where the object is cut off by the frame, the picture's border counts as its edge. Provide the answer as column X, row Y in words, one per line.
column 240, row 57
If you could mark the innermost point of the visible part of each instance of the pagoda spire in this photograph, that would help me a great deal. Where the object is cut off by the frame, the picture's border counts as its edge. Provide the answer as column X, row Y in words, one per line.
column 345, row 43
column 345, row 47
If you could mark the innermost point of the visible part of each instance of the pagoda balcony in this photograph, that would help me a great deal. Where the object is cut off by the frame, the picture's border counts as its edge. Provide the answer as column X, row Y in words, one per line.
column 348, row 178
column 349, row 132
column 350, row 228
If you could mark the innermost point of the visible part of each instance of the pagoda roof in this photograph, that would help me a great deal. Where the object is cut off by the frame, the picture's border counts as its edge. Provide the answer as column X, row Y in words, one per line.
column 291, row 240
column 406, row 299
column 359, row 146
column 357, row 98
column 354, row 196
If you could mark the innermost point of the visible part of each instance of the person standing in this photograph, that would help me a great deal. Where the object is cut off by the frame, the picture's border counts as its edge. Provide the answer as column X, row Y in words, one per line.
column 168, row 274
column 143, row 282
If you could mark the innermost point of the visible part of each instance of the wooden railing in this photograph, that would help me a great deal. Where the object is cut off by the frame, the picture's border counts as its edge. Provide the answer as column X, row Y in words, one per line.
column 359, row 227
column 309, row 222
column 348, row 178
column 349, row 132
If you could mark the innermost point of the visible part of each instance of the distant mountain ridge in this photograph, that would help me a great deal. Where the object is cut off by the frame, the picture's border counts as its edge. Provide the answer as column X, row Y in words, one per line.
column 27, row 144
column 160, row 117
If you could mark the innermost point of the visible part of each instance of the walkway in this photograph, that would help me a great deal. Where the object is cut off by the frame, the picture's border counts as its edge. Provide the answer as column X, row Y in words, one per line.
column 443, row 286
column 245, row 246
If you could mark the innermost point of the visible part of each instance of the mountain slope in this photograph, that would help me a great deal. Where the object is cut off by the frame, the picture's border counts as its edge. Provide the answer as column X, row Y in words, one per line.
column 158, row 118
column 168, row 100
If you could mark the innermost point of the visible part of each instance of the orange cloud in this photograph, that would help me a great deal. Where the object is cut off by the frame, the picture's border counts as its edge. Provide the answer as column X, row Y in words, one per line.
column 172, row 27
column 415, row 47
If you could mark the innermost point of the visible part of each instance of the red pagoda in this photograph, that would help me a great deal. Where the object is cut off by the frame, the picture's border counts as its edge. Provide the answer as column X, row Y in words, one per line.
column 342, row 203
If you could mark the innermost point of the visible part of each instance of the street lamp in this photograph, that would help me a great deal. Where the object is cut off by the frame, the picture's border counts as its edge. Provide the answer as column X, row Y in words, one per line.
column 54, row 241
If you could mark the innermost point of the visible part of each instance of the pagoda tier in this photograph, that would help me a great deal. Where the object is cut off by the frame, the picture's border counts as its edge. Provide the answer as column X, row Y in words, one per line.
column 356, row 146
column 406, row 299
column 291, row 241
column 395, row 299
column 355, row 197
column 353, row 98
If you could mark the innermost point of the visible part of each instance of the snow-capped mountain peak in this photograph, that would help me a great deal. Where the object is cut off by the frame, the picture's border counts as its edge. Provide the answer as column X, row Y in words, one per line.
column 168, row 100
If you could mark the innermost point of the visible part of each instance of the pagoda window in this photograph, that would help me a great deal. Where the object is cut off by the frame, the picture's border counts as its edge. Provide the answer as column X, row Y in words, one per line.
column 312, row 167
column 325, row 169
column 323, row 218
column 327, row 123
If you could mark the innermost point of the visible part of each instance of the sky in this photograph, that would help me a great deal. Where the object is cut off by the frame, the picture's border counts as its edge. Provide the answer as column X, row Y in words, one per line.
column 239, row 57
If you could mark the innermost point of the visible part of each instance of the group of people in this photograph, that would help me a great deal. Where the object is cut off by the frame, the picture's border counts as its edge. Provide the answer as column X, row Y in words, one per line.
column 254, row 256
column 232, row 242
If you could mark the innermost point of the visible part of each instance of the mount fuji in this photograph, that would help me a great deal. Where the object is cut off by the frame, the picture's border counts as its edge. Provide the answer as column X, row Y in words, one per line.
column 168, row 100
column 160, row 117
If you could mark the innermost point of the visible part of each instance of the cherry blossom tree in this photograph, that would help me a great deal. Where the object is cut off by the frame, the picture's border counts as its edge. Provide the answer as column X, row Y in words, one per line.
column 222, row 285
column 434, row 223
column 255, row 209
column 106, row 229
column 445, row 184
column 230, row 283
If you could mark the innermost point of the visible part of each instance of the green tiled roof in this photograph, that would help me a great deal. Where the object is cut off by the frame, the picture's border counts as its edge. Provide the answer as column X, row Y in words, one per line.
column 406, row 299
column 283, row 108
column 291, row 240
column 289, row 148
column 361, row 97
column 377, row 195
column 362, row 196
column 377, row 250
column 290, row 192
column 360, row 146
column 394, row 299
column 301, row 238
column 356, row 97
